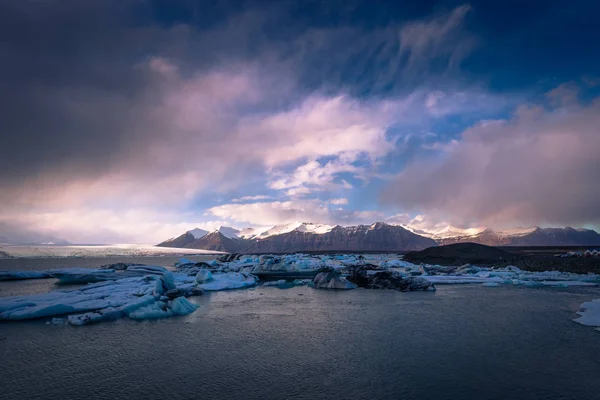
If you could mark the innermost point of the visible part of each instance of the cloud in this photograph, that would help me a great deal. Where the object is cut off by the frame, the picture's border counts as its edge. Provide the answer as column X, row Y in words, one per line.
column 284, row 212
column 340, row 201
column 251, row 198
column 442, row 37
column 538, row 167
column 114, row 125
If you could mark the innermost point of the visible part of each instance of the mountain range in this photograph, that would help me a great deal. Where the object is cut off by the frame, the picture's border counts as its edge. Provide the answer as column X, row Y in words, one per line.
column 380, row 236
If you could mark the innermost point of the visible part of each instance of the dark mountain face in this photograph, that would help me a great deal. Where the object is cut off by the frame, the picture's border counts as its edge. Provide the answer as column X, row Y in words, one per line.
column 558, row 237
column 179, row 241
column 216, row 241
column 458, row 254
column 379, row 237
column 376, row 237
column 538, row 237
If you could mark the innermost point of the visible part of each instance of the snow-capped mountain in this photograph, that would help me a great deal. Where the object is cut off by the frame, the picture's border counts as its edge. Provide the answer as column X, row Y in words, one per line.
column 532, row 236
column 380, row 236
column 184, row 239
column 217, row 241
column 375, row 237
column 229, row 232
column 197, row 232
column 444, row 232
column 295, row 226
column 304, row 236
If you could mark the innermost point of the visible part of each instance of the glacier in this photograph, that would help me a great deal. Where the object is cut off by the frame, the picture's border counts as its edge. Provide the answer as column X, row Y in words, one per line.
column 131, row 250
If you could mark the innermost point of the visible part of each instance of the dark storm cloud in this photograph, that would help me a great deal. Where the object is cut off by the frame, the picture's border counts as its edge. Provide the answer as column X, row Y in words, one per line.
column 79, row 97
column 67, row 84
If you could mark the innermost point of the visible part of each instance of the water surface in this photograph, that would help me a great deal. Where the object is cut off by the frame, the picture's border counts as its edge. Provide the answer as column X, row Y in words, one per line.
column 461, row 342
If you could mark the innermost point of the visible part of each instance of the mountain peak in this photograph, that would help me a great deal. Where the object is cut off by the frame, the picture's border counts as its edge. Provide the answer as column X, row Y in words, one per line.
column 229, row 232
column 197, row 233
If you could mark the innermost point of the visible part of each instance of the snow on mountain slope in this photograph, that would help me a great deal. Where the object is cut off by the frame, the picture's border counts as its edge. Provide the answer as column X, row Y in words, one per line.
column 318, row 229
column 516, row 231
column 307, row 227
column 197, row 233
column 251, row 233
column 443, row 232
column 229, row 232
column 279, row 229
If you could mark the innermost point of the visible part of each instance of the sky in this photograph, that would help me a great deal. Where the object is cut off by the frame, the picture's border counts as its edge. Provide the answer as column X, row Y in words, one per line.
column 133, row 121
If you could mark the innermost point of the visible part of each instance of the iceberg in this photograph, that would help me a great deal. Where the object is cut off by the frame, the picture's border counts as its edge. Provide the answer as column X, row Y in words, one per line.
column 136, row 298
column 332, row 280
column 203, row 275
column 589, row 314
column 69, row 276
column 229, row 280
column 457, row 279
column 274, row 283
column 22, row 275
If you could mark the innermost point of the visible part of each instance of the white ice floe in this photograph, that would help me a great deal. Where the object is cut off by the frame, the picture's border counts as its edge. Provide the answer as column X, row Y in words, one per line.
column 22, row 275
column 274, row 283
column 226, row 281
column 589, row 314
column 456, row 279
column 69, row 276
column 203, row 276
column 137, row 298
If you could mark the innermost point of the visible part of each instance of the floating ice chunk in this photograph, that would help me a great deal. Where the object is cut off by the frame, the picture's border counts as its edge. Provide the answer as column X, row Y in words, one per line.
column 567, row 283
column 148, row 269
column 455, row 279
column 499, row 274
column 154, row 310
column 332, row 280
column 168, row 281
column 164, row 284
column 589, row 313
column 87, row 275
column 21, row 275
column 105, row 301
column 182, row 306
column 274, row 283
column 203, row 275
column 397, row 264
column 229, row 280
column 490, row 284
column 107, row 314
column 183, row 261
column 302, row 282
column 511, row 268
column 527, row 283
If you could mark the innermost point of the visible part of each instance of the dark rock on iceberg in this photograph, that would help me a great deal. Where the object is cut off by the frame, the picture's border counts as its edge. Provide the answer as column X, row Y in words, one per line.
column 332, row 280
column 369, row 278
